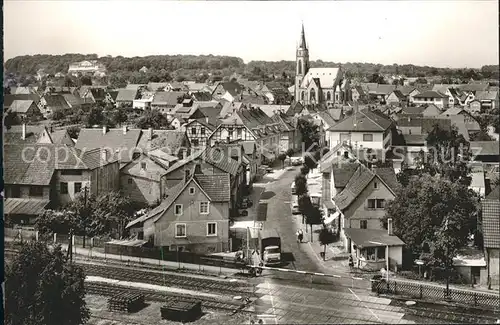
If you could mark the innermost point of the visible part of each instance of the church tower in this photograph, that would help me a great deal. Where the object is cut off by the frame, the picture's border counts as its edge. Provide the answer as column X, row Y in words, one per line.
column 301, row 64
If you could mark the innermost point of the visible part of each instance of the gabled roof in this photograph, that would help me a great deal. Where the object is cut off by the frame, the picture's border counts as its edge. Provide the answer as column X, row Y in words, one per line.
column 335, row 113
column 14, row 134
column 364, row 120
column 487, row 95
column 193, row 156
column 342, row 173
column 426, row 123
column 415, row 139
column 154, row 86
column 413, row 110
column 21, row 106
column 430, row 94
column 388, row 176
column 232, row 88
column 326, row 77
column 126, row 95
column 72, row 99
column 405, row 90
column 113, row 139
column 491, row 223
column 453, row 111
column 369, row 237
column 169, row 141
column 195, row 87
column 216, row 186
column 474, row 87
column 295, row 108
column 135, row 86
column 488, row 148
column 56, row 101
column 220, row 159
column 327, row 118
column 202, row 95
column 9, row 99
column 494, row 194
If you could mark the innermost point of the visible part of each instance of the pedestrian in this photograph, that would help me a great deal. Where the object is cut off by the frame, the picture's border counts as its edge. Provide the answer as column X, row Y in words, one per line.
column 351, row 263
column 301, row 235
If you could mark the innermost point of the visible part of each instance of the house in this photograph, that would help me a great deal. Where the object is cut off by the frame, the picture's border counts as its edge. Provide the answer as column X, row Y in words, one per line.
column 143, row 179
column 26, row 109
column 9, row 99
column 176, row 86
column 474, row 107
column 465, row 125
column 428, row 97
column 324, row 121
column 361, row 205
column 431, row 110
column 296, row 109
column 197, row 87
column 194, row 216
column 250, row 125
column 291, row 138
column 143, row 69
column 212, row 161
column 491, row 239
column 157, row 86
column 22, row 134
column 52, row 103
column 230, row 91
column 142, row 104
column 93, row 94
column 396, row 97
column 478, row 179
column 75, row 102
column 200, row 129
column 364, row 129
column 126, row 97
column 486, row 152
column 489, row 98
column 203, row 96
column 358, row 94
column 228, row 108
column 173, row 142
column 166, row 101
column 39, row 176
column 453, row 111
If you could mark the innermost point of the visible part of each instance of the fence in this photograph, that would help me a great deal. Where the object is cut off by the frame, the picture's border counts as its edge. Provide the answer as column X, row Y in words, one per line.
column 173, row 256
column 27, row 234
column 424, row 291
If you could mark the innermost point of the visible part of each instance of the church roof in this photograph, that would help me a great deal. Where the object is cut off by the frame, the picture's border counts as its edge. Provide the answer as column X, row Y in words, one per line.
column 327, row 77
column 302, row 43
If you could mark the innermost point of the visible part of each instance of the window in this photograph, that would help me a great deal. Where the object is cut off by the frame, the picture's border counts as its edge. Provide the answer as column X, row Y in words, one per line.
column 143, row 165
column 328, row 95
column 367, row 137
column 202, row 131
column 346, row 154
column 312, row 95
column 302, row 95
column 191, row 190
column 212, row 229
column 299, row 67
column 409, row 131
column 380, row 253
column 370, row 253
column 38, row 190
column 180, row 230
column 178, row 209
column 204, row 207
column 71, row 172
column 239, row 131
column 78, row 187
column 375, row 185
column 363, row 224
column 129, row 180
column 380, row 203
column 339, row 153
column 371, row 204
column 15, row 191
column 193, row 131
column 64, row 188
column 195, row 142
column 344, row 137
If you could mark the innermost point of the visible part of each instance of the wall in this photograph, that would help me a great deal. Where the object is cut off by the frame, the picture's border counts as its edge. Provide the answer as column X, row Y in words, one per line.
column 196, row 239
column 84, row 179
column 494, row 264
column 357, row 138
column 358, row 209
column 105, row 179
column 202, row 139
column 395, row 256
column 177, row 175
column 410, row 129
column 25, row 192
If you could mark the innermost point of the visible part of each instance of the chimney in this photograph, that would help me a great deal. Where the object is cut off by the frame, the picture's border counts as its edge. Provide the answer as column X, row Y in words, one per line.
column 206, row 119
column 186, row 175
column 197, row 169
column 389, row 227
column 23, row 136
column 104, row 155
column 150, row 133
column 125, row 129
column 104, row 129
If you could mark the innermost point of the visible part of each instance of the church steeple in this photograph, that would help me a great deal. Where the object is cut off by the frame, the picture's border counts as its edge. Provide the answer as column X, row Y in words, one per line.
column 303, row 44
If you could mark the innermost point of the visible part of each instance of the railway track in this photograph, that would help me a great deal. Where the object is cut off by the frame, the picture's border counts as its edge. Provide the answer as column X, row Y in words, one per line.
column 133, row 274
column 104, row 289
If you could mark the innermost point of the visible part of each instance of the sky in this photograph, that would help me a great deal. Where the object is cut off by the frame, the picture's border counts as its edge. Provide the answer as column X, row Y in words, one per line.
column 450, row 33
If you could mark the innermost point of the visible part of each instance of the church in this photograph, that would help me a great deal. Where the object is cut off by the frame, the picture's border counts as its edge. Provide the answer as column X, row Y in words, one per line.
column 318, row 86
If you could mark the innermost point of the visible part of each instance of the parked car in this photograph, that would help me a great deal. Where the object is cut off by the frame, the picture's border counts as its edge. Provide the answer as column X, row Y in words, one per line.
column 246, row 203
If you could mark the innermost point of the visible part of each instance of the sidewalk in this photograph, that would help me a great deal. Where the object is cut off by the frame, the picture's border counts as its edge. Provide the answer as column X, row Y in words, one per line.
column 171, row 265
column 341, row 267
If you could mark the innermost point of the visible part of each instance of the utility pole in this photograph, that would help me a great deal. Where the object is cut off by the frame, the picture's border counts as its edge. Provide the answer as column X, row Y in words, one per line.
column 85, row 214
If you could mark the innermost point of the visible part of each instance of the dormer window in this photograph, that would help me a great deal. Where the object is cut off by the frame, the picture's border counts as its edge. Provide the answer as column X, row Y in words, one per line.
column 143, row 165
column 192, row 190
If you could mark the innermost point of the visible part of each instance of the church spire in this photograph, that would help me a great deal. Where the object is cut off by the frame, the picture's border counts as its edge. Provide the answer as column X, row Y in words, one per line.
column 302, row 43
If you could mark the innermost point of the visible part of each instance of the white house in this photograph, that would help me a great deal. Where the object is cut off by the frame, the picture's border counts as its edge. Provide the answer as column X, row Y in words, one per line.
column 435, row 97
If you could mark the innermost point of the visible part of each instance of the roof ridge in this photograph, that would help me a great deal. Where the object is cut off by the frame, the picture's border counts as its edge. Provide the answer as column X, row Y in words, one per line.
column 363, row 112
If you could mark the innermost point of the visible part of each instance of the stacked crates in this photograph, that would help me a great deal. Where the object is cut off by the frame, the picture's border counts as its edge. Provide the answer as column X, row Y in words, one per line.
column 181, row 311
column 126, row 302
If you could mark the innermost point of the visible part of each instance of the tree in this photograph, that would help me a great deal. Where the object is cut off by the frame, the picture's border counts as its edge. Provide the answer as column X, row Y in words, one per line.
column 290, row 152
column 421, row 80
column 300, row 185
column 42, row 288
column 482, row 135
column 326, row 237
column 304, row 205
column 114, row 211
column 420, row 210
column 11, row 119
column 313, row 216
column 58, row 115
column 448, row 155
column 282, row 157
column 73, row 131
column 95, row 117
column 152, row 119
column 310, row 161
column 304, row 170
column 118, row 117
column 309, row 132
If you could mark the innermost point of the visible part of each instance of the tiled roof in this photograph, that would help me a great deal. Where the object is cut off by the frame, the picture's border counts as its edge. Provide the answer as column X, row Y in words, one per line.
column 372, row 237
column 329, row 120
column 491, row 223
column 405, row 90
column 486, row 95
column 489, row 148
column 430, row 94
column 415, row 139
column 413, row 110
column 126, row 95
column 188, row 159
column 335, row 113
column 9, row 99
column 388, row 176
column 364, row 120
column 72, row 99
column 135, row 86
column 427, row 124
column 326, row 76
column 56, row 101
column 154, row 86
column 24, row 206
column 169, row 141
column 474, row 87
column 248, row 147
column 453, row 111
column 20, row 106
column 233, row 88
column 359, row 180
column 343, row 173
column 295, row 108
column 399, row 94
column 113, row 139
column 221, row 160
column 14, row 134
column 217, row 186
